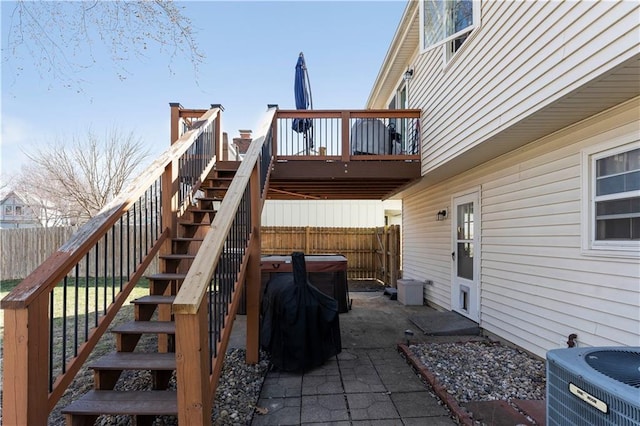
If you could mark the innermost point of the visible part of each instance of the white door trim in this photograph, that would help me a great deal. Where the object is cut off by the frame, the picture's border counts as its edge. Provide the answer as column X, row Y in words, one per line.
column 472, row 288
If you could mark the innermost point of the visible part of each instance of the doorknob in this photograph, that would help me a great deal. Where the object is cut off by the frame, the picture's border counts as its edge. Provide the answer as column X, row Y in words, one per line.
column 453, row 255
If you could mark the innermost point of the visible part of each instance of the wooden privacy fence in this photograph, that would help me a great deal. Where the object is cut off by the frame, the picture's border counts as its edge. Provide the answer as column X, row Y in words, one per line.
column 372, row 253
column 23, row 250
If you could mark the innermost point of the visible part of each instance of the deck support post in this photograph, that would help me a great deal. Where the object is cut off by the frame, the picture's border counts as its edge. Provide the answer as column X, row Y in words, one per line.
column 193, row 365
column 25, row 396
column 169, row 216
column 175, row 121
column 218, row 134
column 346, row 152
column 253, row 280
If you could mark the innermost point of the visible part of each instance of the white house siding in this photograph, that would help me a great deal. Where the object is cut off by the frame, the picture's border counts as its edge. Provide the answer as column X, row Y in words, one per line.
column 537, row 284
column 327, row 213
column 524, row 57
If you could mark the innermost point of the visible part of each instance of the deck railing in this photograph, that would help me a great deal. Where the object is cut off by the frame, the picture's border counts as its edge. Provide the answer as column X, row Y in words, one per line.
column 55, row 316
column 347, row 135
column 208, row 299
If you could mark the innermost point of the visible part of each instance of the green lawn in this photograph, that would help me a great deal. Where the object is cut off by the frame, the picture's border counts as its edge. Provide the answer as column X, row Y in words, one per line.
column 86, row 302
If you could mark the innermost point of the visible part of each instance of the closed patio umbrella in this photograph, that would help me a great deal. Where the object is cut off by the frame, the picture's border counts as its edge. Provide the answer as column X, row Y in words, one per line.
column 302, row 92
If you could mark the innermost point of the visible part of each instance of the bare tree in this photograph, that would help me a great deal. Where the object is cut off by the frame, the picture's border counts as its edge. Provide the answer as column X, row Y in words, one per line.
column 63, row 38
column 42, row 196
column 82, row 175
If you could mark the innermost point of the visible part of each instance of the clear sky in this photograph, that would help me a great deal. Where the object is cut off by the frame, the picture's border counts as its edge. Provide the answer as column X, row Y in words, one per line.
column 251, row 50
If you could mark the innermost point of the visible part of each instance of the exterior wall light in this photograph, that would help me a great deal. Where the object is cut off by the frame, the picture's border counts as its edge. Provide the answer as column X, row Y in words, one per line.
column 408, row 74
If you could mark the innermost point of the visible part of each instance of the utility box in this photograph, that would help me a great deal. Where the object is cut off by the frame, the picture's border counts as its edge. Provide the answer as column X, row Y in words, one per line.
column 410, row 292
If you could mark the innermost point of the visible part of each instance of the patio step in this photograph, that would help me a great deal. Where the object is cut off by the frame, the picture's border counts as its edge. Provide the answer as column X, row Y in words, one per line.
column 534, row 408
column 496, row 413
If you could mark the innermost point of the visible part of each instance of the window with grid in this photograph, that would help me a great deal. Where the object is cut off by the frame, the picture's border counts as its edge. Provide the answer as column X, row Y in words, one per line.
column 447, row 21
column 616, row 198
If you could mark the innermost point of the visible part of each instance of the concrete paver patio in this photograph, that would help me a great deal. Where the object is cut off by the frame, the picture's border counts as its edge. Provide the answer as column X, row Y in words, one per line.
column 368, row 383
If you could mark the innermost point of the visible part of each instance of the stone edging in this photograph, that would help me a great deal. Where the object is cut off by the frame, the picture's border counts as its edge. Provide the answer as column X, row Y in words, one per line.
column 460, row 413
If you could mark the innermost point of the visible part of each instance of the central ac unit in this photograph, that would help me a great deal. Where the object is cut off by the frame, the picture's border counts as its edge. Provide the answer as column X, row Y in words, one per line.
column 593, row 386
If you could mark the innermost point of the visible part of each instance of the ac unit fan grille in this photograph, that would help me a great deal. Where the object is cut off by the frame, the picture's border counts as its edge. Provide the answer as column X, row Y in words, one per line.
column 564, row 409
column 580, row 394
column 623, row 366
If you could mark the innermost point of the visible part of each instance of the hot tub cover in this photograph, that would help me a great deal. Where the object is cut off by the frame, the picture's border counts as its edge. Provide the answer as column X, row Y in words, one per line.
column 300, row 325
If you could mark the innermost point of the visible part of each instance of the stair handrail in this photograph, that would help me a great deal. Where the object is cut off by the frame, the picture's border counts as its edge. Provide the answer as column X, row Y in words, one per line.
column 197, row 367
column 90, row 232
column 28, row 308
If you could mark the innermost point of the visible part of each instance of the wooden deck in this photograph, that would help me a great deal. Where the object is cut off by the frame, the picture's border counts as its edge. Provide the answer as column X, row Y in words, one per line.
column 337, row 180
column 359, row 154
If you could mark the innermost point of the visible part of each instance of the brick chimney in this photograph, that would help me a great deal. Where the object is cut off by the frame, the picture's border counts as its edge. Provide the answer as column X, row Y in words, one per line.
column 243, row 141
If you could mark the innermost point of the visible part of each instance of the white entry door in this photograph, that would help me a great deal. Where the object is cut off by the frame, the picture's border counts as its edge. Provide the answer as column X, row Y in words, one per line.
column 465, row 256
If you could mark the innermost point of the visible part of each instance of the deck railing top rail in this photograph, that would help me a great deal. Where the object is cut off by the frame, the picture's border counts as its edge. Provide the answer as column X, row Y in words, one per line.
column 346, row 135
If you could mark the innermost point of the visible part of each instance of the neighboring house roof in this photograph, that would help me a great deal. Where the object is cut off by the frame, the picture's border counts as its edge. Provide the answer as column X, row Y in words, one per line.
column 23, row 198
column 27, row 215
column 33, row 209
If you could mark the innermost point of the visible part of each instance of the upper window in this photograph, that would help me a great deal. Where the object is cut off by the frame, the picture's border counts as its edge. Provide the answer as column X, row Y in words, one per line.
column 615, row 200
column 8, row 210
column 447, row 21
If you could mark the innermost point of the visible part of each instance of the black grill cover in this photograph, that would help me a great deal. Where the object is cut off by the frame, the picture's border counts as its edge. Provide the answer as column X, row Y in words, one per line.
column 300, row 325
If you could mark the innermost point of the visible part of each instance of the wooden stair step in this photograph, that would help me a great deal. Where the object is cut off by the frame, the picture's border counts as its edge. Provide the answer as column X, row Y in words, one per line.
column 166, row 276
column 148, row 327
column 203, row 210
column 144, row 403
column 227, row 165
column 210, row 198
column 219, row 178
column 154, row 300
column 177, row 256
column 186, row 239
column 135, row 361
column 194, row 224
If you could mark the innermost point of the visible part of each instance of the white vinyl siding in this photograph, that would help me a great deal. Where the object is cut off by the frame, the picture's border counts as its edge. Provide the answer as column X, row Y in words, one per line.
column 553, row 48
column 537, row 284
column 426, row 245
column 327, row 213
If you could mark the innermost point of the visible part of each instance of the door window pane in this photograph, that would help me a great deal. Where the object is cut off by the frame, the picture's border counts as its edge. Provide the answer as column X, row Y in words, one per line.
column 465, row 221
column 465, row 260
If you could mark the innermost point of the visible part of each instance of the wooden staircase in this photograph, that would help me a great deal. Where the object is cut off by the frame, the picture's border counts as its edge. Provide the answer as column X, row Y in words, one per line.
column 152, row 316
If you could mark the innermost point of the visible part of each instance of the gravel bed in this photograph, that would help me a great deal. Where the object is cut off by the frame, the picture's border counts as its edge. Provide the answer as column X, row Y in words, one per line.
column 483, row 371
